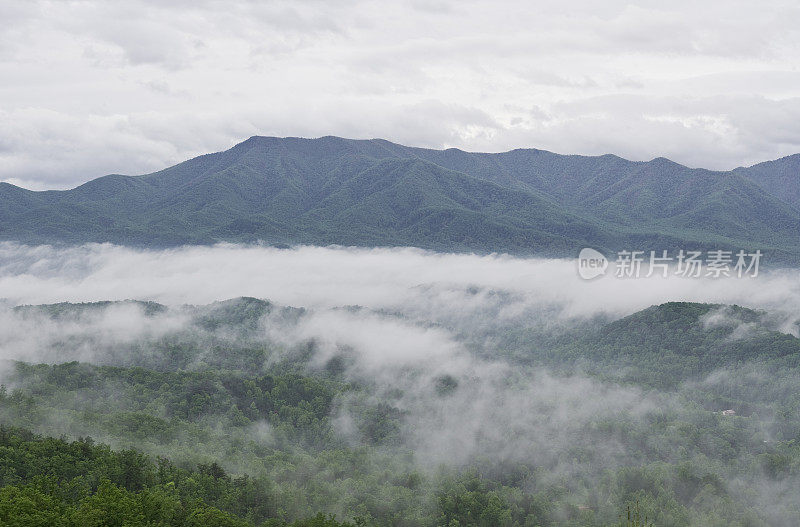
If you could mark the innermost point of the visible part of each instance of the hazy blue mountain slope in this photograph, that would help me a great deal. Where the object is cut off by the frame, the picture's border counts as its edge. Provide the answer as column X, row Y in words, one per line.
column 654, row 196
column 359, row 192
column 780, row 178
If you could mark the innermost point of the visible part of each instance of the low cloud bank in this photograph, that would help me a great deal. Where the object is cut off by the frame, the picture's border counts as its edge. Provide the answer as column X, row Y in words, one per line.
column 404, row 279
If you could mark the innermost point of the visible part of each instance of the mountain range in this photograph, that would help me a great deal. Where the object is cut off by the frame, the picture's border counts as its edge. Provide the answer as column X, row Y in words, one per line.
column 285, row 191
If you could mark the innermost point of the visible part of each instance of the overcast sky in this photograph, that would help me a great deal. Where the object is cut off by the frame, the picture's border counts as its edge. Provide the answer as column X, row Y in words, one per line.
column 91, row 88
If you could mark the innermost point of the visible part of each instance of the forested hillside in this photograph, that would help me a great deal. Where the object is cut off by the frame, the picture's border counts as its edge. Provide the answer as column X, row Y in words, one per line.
column 48, row 481
column 376, row 193
column 262, row 432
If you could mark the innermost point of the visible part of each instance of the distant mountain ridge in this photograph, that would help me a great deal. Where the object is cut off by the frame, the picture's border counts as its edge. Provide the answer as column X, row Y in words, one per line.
column 377, row 193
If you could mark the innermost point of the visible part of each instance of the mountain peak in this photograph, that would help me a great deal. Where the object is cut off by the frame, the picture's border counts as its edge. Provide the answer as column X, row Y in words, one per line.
column 664, row 162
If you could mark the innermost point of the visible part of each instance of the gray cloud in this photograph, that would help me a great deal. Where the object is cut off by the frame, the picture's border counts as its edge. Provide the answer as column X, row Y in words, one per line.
column 94, row 88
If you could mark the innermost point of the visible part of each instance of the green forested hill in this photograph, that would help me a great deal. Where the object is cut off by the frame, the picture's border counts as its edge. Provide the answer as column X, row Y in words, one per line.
column 376, row 193
column 53, row 482
column 259, row 434
column 671, row 343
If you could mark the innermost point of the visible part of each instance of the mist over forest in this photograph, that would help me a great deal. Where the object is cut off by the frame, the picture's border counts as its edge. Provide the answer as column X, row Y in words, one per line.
column 406, row 387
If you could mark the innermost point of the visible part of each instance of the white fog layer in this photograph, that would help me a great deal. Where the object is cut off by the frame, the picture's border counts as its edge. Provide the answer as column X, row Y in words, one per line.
column 404, row 278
